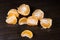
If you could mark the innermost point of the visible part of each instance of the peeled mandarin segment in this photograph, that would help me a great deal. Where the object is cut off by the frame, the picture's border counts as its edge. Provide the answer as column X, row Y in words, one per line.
column 32, row 21
column 22, row 21
column 13, row 12
column 38, row 13
column 10, row 15
column 27, row 33
column 11, row 20
column 46, row 23
column 24, row 9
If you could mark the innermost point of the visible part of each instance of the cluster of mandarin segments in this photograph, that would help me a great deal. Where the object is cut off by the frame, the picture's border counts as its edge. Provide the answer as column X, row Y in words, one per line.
column 37, row 15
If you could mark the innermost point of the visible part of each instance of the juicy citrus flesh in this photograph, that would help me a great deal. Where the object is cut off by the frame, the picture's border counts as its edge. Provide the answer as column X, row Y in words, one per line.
column 11, row 20
column 10, row 15
column 24, row 9
column 32, row 21
column 27, row 33
column 46, row 22
column 22, row 21
column 38, row 13
column 13, row 12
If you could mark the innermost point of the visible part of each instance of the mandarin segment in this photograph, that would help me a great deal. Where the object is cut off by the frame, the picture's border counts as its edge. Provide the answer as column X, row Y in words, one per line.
column 24, row 9
column 22, row 21
column 13, row 12
column 27, row 33
column 46, row 23
column 10, row 15
column 32, row 21
column 11, row 20
column 38, row 13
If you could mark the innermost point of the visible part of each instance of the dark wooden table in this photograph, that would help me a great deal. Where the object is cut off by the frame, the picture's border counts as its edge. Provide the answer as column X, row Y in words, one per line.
column 51, row 9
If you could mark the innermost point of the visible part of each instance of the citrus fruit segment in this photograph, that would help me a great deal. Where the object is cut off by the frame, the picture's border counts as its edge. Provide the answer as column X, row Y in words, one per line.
column 38, row 13
column 24, row 9
column 46, row 22
column 11, row 20
column 27, row 33
column 22, row 21
column 32, row 21
column 13, row 12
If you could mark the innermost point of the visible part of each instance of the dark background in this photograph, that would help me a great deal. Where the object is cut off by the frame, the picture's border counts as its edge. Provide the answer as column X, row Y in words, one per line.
column 51, row 9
